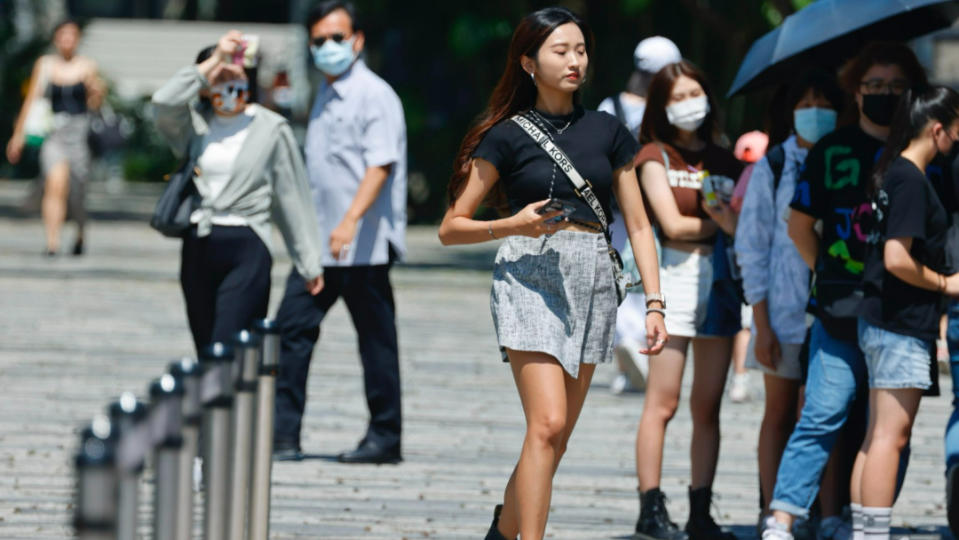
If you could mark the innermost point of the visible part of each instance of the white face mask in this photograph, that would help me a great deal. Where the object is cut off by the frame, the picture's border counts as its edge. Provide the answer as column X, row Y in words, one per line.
column 225, row 95
column 689, row 113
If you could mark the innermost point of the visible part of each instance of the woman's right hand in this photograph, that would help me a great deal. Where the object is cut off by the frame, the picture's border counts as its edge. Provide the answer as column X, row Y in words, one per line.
column 15, row 149
column 227, row 45
column 767, row 349
column 527, row 222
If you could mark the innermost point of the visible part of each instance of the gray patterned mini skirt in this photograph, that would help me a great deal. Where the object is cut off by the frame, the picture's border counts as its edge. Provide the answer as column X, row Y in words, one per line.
column 555, row 294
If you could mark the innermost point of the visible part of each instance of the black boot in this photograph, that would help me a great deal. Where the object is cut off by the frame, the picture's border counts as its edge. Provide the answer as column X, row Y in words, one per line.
column 494, row 533
column 654, row 523
column 701, row 525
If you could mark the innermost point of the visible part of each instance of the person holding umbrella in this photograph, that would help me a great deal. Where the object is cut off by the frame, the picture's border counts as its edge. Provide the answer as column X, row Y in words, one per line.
column 832, row 188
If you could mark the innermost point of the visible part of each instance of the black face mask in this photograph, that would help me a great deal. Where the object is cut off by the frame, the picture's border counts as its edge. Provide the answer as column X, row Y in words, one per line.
column 880, row 108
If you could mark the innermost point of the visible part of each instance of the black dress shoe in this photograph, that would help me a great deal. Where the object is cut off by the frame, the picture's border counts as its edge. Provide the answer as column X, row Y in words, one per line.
column 371, row 452
column 78, row 247
column 287, row 452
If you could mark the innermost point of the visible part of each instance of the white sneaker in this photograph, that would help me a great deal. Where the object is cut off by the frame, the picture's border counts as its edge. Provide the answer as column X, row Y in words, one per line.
column 620, row 384
column 632, row 363
column 774, row 530
column 739, row 389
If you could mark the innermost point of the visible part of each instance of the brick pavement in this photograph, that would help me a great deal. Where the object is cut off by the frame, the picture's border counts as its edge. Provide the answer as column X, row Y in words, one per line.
column 75, row 332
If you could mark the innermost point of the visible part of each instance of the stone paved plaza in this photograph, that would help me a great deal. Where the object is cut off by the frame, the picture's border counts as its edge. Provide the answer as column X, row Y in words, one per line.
column 75, row 332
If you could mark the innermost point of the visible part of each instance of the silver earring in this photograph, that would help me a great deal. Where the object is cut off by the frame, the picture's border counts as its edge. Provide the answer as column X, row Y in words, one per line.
column 532, row 77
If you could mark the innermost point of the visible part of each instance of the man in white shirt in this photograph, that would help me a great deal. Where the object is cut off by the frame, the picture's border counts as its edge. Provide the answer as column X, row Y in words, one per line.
column 356, row 161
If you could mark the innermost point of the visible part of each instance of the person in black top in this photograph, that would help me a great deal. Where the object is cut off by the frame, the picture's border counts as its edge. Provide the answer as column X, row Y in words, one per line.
column 832, row 189
column 71, row 85
column 554, row 299
column 904, row 284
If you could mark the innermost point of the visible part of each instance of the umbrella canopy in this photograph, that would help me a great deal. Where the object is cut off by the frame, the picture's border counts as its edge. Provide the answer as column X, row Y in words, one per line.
column 827, row 32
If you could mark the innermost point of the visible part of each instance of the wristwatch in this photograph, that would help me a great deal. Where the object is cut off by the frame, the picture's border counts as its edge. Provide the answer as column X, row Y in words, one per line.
column 656, row 297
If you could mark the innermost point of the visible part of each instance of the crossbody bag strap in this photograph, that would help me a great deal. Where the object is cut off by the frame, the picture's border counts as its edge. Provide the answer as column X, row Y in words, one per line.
column 580, row 185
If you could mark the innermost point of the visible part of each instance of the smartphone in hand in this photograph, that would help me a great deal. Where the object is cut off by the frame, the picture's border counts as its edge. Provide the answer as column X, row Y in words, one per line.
column 551, row 205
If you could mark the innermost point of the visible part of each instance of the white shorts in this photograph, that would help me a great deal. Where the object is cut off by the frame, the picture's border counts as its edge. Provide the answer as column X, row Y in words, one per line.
column 686, row 280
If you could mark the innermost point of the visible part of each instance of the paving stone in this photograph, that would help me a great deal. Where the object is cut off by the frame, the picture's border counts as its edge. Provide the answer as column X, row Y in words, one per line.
column 75, row 332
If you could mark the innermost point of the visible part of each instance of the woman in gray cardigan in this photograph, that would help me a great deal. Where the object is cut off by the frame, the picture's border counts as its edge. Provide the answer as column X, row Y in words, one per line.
column 249, row 170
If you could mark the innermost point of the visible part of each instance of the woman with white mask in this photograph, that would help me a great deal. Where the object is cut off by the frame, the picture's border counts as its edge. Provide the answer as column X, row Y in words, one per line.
column 775, row 278
column 249, row 171
column 678, row 134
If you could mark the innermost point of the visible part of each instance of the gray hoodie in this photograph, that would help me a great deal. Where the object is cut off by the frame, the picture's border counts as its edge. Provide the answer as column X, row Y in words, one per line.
column 269, row 178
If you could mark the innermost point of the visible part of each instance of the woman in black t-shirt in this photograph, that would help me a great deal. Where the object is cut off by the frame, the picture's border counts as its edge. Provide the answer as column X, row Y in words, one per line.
column 904, row 287
column 553, row 300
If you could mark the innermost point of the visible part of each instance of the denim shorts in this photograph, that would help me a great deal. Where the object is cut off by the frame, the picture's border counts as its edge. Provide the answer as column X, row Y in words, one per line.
column 895, row 360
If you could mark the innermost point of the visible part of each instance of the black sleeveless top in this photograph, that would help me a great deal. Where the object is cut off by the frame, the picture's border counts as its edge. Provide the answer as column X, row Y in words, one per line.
column 71, row 99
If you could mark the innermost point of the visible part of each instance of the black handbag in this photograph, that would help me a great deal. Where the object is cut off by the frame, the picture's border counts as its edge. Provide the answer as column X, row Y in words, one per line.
column 171, row 217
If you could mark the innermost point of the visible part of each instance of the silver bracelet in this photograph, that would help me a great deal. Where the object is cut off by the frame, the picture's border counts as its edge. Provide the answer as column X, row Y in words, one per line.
column 489, row 229
column 656, row 310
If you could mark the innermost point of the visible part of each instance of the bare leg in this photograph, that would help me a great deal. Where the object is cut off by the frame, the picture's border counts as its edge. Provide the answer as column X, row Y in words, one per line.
column 662, row 399
column 740, row 344
column 894, row 412
column 855, row 482
column 712, row 358
column 782, row 396
column 552, row 401
column 54, row 206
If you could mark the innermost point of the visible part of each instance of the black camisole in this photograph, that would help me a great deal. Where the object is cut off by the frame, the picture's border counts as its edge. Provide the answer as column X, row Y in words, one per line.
column 71, row 99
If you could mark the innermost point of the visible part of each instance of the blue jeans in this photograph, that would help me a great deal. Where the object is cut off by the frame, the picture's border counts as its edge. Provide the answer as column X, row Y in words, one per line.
column 836, row 371
column 952, row 428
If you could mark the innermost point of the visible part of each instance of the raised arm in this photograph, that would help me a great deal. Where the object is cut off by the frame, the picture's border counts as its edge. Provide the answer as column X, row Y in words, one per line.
column 675, row 225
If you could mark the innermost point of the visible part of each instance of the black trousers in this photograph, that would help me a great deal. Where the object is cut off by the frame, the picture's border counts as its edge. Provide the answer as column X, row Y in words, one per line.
column 369, row 299
column 226, row 282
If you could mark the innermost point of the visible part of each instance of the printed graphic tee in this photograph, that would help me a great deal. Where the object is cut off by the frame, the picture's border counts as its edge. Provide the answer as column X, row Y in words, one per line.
column 686, row 171
column 832, row 188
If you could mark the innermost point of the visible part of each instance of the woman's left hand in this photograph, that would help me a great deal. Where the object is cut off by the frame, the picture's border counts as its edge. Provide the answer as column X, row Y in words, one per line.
column 723, row 215
column 656, row 337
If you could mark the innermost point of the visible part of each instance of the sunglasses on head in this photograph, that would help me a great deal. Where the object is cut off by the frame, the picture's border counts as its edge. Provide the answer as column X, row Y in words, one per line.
column 319, row 41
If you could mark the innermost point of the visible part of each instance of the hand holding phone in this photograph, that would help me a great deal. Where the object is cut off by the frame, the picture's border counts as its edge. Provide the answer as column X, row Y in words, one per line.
column 552, row 205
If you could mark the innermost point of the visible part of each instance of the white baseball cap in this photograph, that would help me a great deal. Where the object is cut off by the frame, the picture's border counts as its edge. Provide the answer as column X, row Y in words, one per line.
column 654, row 53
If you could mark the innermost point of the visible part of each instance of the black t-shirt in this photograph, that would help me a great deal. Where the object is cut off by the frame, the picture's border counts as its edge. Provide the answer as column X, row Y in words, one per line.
column 832, row 187
column 596, row 143
column 907, row 206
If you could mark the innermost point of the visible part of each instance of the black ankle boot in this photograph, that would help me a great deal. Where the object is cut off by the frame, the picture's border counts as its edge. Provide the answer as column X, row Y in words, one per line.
column 494, row 533
column 654, row 523
column 701, row 525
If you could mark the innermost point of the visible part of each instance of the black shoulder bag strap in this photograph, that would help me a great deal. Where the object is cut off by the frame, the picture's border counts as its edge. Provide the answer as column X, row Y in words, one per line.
column 581, row 186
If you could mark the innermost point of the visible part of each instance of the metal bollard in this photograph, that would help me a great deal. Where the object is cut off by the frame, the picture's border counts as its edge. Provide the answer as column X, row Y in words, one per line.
column 246, row 370
column 269, row 334
column 187, row 371
column 216, row 394
column 95, row 508
column 166, row 420
column 133, row 444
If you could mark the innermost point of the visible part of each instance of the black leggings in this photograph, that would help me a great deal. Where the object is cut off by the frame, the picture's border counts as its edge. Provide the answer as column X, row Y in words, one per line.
column 226, row 282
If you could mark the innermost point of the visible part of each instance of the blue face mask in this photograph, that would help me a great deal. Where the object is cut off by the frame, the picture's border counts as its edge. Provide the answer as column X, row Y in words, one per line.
column 334, row 58
column 814, row 122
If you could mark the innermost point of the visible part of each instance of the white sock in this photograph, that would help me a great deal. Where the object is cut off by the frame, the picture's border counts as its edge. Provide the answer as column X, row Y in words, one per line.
column 875, row 522
column 856, row 512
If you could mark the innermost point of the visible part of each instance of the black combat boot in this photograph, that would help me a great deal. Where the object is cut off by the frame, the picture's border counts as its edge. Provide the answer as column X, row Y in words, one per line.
column 654, row 523
column 701, row 525
column 494, row 533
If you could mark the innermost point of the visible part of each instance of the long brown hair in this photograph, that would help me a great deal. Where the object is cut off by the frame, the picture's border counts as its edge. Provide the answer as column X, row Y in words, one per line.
column 515, row 92
column 656, row 126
